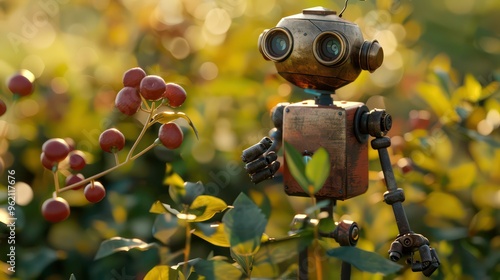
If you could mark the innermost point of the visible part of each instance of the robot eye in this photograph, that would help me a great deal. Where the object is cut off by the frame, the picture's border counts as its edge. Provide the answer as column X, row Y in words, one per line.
column 329, row 48
column 276, row 44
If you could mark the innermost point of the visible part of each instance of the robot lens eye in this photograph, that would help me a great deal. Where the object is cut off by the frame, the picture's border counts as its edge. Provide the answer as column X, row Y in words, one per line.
column 277, row 44
column 329, row 48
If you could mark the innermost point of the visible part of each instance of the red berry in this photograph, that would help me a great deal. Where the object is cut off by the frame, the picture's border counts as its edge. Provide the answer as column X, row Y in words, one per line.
column 112, row 140
column 55, row 149
column 55, row 209
column 175, row 94
column 3, row 107
column 152, row 87
column 77, row 160
column 94, row 192
column 19, row 84
column 170, row 135
column 73, row 179
column 128, row 101
column 47, row 163
column 133, row 77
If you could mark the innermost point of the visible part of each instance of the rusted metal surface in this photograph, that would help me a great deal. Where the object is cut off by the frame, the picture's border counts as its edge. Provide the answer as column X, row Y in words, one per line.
column 307, row 126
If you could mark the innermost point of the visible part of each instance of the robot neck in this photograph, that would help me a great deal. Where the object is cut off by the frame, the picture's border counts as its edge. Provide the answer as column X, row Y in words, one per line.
column 321, row 97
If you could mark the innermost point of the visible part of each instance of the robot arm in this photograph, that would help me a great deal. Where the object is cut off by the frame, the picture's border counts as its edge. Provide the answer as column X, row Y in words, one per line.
column 261, row 158
column 377, row 123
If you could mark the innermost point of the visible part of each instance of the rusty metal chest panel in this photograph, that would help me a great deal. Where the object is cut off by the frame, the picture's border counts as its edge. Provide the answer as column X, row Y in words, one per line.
column 307, row 126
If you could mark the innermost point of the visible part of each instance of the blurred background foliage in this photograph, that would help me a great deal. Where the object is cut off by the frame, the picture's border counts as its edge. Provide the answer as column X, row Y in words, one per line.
column 439, row 80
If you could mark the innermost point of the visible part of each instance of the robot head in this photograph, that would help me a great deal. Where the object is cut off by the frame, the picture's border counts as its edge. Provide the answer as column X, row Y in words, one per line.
column 319, row 50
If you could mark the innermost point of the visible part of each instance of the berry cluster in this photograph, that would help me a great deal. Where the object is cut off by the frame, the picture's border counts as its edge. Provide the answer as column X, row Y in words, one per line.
column 59, row 155
column 140, row 92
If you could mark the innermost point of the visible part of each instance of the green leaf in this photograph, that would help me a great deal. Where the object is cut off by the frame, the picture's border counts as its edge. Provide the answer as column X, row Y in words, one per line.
column 194, row 276
column 444, row 80
column 489, row 90
column 245, row 222
column 164, row 227
column 296, row 165
column 36, row 259
column 217, row 270
column 186, row 193
column 244, row 227
column 437, row 99
column 162, row 272
column 445, row 205
column 210, row 205
column 262, row 200
column 173, row 179
column 161, row 208
column 364, row 260
column 277, row 250
column 165, row 117
column 277, row 254
column 318, row 169
column 245, row 262
column 216, row 237
column 192, row 191
column 473, row 87
column 177, row 192
column 119, row 244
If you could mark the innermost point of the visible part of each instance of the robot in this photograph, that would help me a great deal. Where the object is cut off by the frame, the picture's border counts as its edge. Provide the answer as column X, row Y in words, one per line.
column 320, row 52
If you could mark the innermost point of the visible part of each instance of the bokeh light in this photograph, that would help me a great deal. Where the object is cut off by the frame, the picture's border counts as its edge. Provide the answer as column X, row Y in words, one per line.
column 209, row 70
column 24, row 193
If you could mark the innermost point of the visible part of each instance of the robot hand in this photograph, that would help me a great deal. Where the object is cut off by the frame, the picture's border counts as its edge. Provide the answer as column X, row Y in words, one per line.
column 408, row 244
column 260, row 161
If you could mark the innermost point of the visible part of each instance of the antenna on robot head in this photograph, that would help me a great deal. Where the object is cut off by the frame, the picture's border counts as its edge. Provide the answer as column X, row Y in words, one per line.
column 345, row 7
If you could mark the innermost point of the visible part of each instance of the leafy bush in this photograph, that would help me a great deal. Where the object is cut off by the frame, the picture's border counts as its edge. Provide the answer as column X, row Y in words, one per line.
column 78, row 52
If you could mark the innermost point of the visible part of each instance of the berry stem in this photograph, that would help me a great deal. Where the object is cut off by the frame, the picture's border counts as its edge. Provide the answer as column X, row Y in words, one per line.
column 145, row 102
column 97, row 176
column 147, row 124
column 89, row 179
column 144, row 151
column 56, row 182
column 117, row 160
